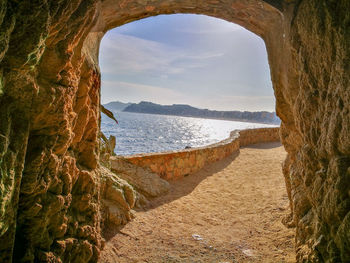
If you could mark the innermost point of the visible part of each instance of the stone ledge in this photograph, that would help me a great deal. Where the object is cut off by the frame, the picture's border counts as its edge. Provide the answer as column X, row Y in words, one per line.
column 177, row 164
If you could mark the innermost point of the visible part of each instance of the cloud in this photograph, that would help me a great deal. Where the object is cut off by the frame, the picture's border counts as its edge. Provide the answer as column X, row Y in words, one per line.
column 137, row 92
column 242, row 103
column 196, row 60
column 124, row 54
column 208, row 31
column 211, row 26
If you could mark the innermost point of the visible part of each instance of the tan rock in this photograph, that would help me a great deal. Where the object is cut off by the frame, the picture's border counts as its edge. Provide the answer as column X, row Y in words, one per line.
column 118, row 198
column 143, row 180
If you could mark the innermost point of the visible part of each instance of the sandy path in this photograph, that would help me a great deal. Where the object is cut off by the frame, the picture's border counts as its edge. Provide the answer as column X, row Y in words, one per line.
column 235, row 206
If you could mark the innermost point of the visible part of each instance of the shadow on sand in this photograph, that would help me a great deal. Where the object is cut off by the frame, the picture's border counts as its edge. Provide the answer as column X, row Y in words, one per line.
column 184, row 186
column 178, row 189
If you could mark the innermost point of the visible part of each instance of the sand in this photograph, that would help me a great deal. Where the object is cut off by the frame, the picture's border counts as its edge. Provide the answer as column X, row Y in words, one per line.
column 230, row 211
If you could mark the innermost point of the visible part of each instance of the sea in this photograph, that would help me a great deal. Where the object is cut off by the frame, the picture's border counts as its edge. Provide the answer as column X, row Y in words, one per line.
column 147, row 133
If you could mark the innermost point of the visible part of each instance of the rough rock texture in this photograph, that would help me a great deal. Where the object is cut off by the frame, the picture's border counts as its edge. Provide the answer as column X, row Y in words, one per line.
column 49, row 117
column 49, row 106
column 319, row 140
column 124, row 188
column 118, row 198
column 146, row 183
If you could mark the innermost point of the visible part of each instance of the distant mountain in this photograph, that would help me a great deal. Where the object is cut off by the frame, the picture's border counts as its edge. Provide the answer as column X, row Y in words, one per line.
column 116, row 105
column 189, row 111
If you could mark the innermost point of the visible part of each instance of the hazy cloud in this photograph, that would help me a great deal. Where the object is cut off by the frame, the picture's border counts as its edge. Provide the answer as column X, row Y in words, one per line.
column 135, row 92
column 191, row 59
column 131, row 55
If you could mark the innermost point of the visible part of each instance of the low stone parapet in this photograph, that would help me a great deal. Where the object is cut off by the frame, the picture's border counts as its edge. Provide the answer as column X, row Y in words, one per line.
column 253, row 136
column 177, row 164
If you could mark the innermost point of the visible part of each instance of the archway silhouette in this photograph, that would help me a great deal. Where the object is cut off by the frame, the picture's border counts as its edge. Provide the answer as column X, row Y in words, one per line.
column 149, row 9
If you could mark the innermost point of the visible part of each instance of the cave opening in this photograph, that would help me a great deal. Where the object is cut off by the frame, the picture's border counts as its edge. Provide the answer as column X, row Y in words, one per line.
column 198, row 66
column 153, row 61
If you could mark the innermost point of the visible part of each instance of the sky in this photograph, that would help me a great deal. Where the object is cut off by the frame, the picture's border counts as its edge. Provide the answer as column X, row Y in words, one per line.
column 186, row 59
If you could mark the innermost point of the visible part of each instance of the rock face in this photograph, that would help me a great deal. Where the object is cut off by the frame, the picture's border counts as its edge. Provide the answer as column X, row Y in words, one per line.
column 118, row 198
column 147, row 183
column 49, row 118
column 318, row 135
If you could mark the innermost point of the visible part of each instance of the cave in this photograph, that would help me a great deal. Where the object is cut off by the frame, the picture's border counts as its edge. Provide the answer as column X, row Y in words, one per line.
column 50, row 112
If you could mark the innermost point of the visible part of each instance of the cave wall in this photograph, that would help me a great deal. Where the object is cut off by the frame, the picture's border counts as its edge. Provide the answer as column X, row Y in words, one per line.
column 49, row 106
column 320, row 95
column 49, row 118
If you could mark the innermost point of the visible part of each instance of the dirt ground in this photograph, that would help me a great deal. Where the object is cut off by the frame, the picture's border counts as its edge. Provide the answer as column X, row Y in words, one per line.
column 230, row 211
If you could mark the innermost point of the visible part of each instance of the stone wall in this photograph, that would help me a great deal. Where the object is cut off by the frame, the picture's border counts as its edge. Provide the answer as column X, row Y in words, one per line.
column 176, row 164
column 253, row 136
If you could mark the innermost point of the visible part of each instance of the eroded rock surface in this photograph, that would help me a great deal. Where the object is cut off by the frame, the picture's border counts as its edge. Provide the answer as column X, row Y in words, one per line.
column 49, row 106
column 147, row 183
column 49, row 118
column 319, row 90
column 126, row 187
column 118, row 198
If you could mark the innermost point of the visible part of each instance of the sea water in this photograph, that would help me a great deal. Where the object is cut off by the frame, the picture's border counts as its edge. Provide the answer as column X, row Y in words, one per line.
column 146, row 133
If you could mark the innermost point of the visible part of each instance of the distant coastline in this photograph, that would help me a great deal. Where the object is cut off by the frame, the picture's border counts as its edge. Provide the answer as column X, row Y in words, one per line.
column 184, row 110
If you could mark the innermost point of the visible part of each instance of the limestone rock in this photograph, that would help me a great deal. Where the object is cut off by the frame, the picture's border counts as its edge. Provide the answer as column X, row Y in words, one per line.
column 118, row 198
column 126, row 187
column 145, row 182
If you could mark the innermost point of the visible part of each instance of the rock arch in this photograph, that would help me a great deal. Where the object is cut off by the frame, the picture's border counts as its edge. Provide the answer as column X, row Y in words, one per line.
column 49, row 124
